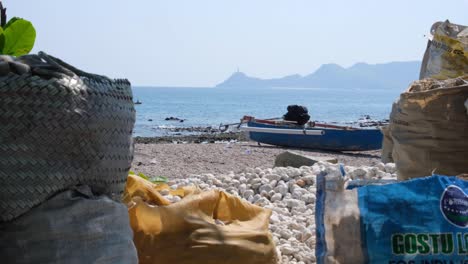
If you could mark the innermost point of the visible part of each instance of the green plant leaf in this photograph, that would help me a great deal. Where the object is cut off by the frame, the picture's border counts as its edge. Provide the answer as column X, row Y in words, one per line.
column 143, row 176
column 2, row 39
column 20, row 36
column 159, row 179
column 13, row 19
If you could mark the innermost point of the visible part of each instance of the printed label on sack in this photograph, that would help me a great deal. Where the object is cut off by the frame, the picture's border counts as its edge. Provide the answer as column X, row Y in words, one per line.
column 430, row 244
column 447, row 48
column 422, row 221
column 454, row 206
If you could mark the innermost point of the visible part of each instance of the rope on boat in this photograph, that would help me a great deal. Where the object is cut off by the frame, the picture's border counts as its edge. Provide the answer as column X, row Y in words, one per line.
column 284, row 131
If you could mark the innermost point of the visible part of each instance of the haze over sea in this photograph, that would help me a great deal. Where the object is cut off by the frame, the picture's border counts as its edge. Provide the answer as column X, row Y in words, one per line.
column 213, row 106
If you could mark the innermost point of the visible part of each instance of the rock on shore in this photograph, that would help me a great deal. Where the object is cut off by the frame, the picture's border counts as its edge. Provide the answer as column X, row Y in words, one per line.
column 290, row 194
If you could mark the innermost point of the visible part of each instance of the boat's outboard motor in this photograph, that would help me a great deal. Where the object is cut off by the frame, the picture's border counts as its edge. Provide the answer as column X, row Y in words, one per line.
column 297, row 113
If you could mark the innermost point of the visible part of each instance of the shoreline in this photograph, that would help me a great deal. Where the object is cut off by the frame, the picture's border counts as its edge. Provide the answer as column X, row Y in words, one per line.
column 193, row 138
column 209, row 134
column 199, row 134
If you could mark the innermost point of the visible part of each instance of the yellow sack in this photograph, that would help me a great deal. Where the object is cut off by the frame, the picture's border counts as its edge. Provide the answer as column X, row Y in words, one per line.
column 209, row 227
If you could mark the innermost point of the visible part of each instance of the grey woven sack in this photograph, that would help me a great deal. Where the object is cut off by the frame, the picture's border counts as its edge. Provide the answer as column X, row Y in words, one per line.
column 74, row 226
column 60, row 127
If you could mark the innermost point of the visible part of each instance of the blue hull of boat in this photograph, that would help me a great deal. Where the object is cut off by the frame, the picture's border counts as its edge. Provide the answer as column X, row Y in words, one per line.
column 332, row 139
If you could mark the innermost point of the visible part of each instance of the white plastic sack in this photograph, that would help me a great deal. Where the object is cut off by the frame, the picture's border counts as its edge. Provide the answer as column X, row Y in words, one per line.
column 446, row 54
column 72, row 227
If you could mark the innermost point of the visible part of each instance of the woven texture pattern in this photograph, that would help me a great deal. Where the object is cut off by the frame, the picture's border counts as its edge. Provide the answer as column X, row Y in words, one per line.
column 61, row 127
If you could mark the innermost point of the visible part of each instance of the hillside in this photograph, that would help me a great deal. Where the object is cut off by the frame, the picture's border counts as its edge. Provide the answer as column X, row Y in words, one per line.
column 396, row 75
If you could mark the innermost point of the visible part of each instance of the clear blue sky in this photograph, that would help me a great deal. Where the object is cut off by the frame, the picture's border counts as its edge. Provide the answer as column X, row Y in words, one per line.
column 201, row 42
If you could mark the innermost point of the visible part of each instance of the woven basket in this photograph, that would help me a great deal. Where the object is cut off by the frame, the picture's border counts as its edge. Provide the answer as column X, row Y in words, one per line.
column 61, row 127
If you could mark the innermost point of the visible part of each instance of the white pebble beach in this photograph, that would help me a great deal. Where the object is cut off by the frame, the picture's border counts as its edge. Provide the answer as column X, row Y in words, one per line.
column 246, row 170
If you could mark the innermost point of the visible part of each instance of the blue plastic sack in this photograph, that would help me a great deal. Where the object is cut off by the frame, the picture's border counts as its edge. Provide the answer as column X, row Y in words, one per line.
column 421, row 221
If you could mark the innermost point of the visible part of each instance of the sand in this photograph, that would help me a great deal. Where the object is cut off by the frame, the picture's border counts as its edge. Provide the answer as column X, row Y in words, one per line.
column 183, row 160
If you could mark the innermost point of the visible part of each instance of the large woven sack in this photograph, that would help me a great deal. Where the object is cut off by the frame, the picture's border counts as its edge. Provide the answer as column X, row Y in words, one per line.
column 74, row 226
column 61, row 127
column 429, row 130
column 209, row 227
column 387, row 145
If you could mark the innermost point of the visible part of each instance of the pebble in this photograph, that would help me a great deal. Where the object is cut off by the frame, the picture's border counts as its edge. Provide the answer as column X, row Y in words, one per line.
column 176, row 199
column 390, row 168
column 248, row 193
column 301, row 183
column 290, row 193
column 276, row 197
column 281, row 188
column 164, row 192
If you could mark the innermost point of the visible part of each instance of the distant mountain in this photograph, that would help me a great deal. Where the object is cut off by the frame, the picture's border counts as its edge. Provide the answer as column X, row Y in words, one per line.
column 396, row 75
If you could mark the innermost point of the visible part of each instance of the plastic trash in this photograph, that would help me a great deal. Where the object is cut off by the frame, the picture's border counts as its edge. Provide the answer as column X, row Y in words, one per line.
column 446, row 55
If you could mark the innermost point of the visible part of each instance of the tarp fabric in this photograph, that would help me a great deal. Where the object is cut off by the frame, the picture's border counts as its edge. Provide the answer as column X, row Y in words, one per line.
column 204, row 227
column 74, row 227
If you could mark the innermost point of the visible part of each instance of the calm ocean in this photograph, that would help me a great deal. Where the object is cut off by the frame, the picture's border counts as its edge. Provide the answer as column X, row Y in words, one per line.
column 212, row 106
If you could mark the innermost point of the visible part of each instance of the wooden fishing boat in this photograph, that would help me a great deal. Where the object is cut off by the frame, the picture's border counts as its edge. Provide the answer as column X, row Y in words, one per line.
column 312, row 135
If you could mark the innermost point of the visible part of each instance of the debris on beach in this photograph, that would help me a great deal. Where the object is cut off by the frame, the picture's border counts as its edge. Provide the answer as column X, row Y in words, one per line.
column 174, row 119
column 192, row 129
column 197, row 139
column 431, row 84
column 368, row 121
column 290, row 193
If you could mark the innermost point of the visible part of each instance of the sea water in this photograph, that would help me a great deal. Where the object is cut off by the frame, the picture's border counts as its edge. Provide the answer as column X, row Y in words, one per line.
column 203, row 107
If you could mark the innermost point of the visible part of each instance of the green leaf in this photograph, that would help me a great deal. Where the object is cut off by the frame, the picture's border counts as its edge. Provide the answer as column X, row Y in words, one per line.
column 19, row 37
column 11, row 21
column 143, row 176
column 159, row 179
column 2, row 39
